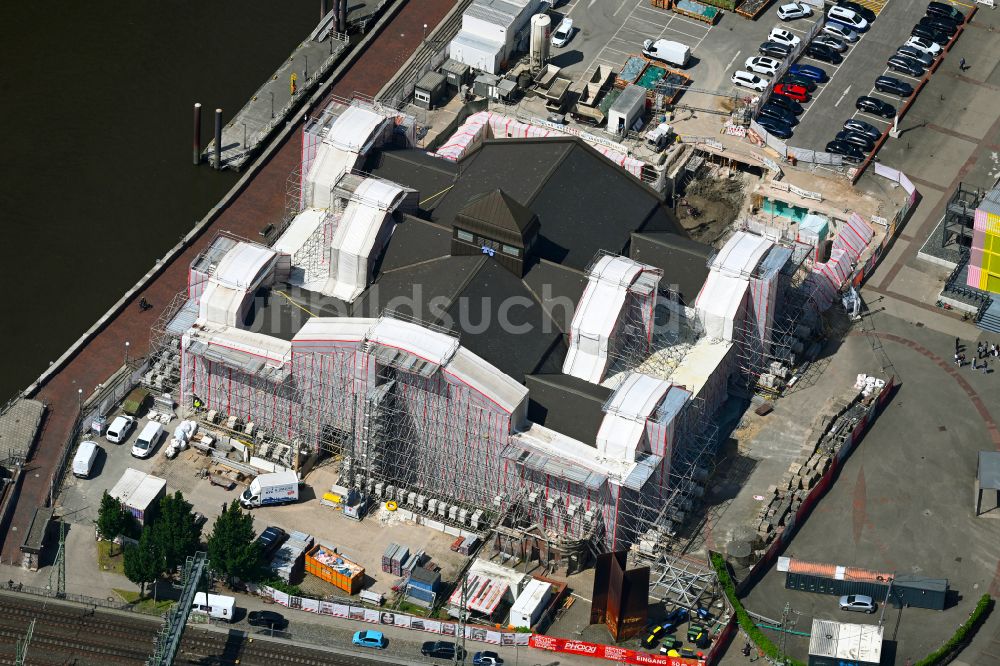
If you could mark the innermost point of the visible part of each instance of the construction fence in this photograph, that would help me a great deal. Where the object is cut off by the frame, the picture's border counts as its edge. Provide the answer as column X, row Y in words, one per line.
column 813, row 498
column 865, row 270
column 394, row 619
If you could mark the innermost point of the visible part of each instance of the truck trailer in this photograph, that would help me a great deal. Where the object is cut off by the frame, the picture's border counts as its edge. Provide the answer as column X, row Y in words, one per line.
column 276, row 488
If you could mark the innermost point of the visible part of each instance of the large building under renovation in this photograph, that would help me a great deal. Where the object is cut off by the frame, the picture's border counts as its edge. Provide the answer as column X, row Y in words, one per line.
column 519, row 339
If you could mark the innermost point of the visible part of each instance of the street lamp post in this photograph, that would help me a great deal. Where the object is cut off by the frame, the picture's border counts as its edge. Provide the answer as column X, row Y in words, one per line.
column 305, row 70
column 79, row 395
column 126, row 352
column 272, row 102
column 244, row 135
column 425, row 32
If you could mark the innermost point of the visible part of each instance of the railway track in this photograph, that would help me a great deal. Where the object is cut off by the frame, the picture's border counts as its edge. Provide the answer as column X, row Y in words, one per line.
column 75, row 634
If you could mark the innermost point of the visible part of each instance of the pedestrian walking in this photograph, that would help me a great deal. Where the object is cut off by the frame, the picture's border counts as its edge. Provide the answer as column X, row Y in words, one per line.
column 986, row 367
column 961, row 64
column 973, row 363
column 979, row 350
column 956, row 359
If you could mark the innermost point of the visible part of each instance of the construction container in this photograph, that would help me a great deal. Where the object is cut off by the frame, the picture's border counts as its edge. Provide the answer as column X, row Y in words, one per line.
column 425, row 579
column 455, row 72
column 324, row 562
column 528, row 606
column 430, row 90
column 914, row 591
column 140, row 493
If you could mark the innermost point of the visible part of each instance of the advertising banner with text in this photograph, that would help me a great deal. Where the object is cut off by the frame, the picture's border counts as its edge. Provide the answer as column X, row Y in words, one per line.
column 609, row 652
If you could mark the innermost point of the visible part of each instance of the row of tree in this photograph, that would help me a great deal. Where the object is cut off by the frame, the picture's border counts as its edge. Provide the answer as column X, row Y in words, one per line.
column 173, row 535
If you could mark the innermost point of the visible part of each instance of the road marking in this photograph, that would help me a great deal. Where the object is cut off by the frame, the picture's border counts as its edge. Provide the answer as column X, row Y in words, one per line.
column 846, row 90
column 622, row 6
column 638, row 4
column 608, row 48
column 733, row 60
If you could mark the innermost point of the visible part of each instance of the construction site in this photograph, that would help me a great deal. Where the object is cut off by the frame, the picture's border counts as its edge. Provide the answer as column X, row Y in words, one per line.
column 579, row 414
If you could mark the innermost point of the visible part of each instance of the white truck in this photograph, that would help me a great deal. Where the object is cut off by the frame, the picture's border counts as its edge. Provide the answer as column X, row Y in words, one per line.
column 670, row 52
column 275, row 488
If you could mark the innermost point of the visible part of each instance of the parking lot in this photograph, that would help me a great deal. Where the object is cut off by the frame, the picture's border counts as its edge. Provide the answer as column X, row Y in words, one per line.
column 607, row 32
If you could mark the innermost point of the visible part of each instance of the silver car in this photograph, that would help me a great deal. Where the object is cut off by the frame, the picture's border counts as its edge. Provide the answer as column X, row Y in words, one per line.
column 857, row 602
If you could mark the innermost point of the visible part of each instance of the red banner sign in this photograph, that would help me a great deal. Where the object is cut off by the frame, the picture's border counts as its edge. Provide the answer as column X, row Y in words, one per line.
column 610, row 652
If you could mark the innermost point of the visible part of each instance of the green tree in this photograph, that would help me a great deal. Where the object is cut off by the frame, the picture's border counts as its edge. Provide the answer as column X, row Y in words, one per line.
column 174, row 530
column 144, row 563
column 113, row 519
column 231, row 546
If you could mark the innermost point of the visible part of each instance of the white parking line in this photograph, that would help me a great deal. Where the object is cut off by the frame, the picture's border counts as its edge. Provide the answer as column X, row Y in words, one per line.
column 679, row 32
column 608, row 48
column 637, row 5
column 621, row 7
column 733, row 60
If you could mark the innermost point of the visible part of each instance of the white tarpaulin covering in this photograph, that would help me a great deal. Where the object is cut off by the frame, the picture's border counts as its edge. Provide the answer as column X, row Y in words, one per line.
column 624, row 423
column 227, row 297
column 299, row 231
column 428, row 345
column 741, row 254
column 353, row 129
column 596, row 316
column 330, row 165
column 350, row 136
column 499, row 388
column 719, row 303
column 360, row 237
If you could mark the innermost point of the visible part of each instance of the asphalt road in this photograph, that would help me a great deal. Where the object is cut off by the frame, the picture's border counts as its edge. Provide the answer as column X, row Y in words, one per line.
column 903, row 500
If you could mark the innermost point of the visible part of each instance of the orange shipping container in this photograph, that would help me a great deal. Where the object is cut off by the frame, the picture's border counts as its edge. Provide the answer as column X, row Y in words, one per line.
column 324, row 562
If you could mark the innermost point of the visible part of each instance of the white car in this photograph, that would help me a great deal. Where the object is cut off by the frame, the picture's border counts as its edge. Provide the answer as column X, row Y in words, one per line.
column 847, row 17
column 783, row 36
column 841, row 32
column 925, row 45
column 793, row 10
column 746, row 79
column 563, row 33
column 120, row 429
column 763, row 65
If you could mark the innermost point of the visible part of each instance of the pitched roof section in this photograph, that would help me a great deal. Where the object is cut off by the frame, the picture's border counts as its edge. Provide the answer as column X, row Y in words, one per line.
column 498, row 210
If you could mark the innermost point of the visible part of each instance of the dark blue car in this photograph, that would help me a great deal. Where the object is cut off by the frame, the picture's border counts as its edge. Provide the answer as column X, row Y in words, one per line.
column 775, row 128
column 809, row 71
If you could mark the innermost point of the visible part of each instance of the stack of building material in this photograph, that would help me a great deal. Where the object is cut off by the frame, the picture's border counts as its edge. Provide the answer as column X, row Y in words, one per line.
column 287, row 562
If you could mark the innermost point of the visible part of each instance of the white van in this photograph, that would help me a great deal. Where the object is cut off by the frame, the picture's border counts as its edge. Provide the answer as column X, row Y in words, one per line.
column 147, row 440
column 216, row 606
column 86, row 454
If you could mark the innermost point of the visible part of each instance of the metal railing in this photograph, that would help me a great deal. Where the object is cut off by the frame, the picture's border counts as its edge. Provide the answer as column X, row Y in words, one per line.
column 109, row 602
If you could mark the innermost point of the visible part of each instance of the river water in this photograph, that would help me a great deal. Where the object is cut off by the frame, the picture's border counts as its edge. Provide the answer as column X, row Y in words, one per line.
column 96, row 180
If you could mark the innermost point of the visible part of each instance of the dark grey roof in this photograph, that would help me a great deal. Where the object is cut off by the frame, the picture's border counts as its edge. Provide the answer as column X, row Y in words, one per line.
column 498, row 209
column 501, row 321
column 584, row 202
column 684, row 262
column 567, row 404
column 281, row 311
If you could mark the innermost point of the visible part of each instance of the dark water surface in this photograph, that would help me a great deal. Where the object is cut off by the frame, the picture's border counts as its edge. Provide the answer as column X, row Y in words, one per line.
column 96, row 180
